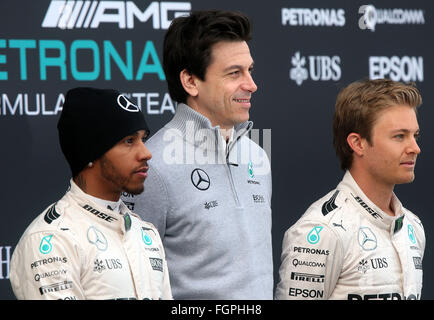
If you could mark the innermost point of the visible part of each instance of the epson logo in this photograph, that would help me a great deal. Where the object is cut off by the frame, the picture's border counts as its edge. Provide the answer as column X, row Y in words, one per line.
column 306, row 293
column 90, row 14
column 313, row 17
column 396, row 68
column 317, row 68
column 372, row 16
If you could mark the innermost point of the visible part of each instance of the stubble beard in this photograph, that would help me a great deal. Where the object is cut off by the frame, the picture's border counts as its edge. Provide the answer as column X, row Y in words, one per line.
column 112, row 175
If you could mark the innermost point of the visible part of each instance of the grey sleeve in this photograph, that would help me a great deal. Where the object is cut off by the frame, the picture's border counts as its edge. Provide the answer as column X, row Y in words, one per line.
column 153, row 204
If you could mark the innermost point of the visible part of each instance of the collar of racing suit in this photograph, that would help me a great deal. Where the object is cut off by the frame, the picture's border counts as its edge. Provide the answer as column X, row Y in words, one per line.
column 116, row 220
column 197, row 130
column 111, row 205
column 377, row 216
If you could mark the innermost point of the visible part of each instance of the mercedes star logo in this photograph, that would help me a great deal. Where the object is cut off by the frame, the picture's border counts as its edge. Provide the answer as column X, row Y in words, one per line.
column 97, row 238
column 200, row 179
column 367, row 239
column 127, row 105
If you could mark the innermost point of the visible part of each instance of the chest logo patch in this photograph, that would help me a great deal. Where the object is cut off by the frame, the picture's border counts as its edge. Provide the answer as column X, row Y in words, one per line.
column 367, row 239
column 313, row 236
column 145, row 237
column 411, row 235
column 200, row 179
column 97, row 238
column 250, row 170
column 45, row 245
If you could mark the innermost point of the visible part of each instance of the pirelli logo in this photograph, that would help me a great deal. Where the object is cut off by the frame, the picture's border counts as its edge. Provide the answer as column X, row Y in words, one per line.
column 56, row 287
column 307, row 277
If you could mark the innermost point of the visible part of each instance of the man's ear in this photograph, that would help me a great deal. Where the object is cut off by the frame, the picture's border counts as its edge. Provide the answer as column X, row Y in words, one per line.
column 189, row 82
column 356, row 143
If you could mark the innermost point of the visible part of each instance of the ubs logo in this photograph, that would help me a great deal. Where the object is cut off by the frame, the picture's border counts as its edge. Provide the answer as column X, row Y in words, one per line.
column 200, row 179
column 316, row 68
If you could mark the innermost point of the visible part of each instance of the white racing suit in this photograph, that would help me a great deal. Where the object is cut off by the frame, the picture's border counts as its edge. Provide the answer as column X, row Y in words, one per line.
column 77, row 249
column 345, row 247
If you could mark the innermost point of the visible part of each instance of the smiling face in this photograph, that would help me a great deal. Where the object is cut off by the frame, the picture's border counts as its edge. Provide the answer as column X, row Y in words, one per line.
column 224, row 95
column 390, row 157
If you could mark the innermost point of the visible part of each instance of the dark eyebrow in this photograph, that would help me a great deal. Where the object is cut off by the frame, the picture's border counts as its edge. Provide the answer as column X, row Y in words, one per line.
column 236, row 67
column 233, row 67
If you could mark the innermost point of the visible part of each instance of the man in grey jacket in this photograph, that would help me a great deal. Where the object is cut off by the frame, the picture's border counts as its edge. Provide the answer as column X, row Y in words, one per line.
column 208, row 191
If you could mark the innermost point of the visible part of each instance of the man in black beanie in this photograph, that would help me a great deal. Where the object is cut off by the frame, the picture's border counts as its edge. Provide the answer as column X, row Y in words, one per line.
column 91, row 123
column 89, row 245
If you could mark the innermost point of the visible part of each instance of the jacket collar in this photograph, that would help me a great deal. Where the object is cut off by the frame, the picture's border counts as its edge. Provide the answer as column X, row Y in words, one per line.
column 377, row 216
column 99, row 214
column 197, row 130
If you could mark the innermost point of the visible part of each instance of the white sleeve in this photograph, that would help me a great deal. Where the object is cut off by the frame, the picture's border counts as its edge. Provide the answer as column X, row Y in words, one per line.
column 46, row 266
column 311, row 262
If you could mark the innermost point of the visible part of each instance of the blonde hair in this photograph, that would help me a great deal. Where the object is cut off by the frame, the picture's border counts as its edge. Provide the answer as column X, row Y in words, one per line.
column 358, row 106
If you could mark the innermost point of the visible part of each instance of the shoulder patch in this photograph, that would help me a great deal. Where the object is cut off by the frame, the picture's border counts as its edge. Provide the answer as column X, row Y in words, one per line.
column 329, row 205
column 51, row 214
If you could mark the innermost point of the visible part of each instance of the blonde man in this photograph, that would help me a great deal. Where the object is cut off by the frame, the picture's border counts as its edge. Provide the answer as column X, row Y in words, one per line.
column 358, row 241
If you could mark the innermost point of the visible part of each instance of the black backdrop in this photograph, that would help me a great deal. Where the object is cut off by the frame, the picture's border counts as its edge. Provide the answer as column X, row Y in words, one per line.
column 304, row 53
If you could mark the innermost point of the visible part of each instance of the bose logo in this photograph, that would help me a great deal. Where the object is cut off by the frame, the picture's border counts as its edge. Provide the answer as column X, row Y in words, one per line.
column 127, row 105
column 89, row 14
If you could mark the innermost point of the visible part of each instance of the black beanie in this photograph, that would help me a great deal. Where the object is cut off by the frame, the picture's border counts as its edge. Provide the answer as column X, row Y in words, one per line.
column 93, row 121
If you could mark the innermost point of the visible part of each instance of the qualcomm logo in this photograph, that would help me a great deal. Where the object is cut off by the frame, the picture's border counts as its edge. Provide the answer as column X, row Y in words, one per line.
column 90, row 14
column 372, row 16
column 317, row 68
column 396, row 68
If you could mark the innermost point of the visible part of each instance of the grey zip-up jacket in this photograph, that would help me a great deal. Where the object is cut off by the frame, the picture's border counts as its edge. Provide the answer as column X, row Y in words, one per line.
column 212, row 208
